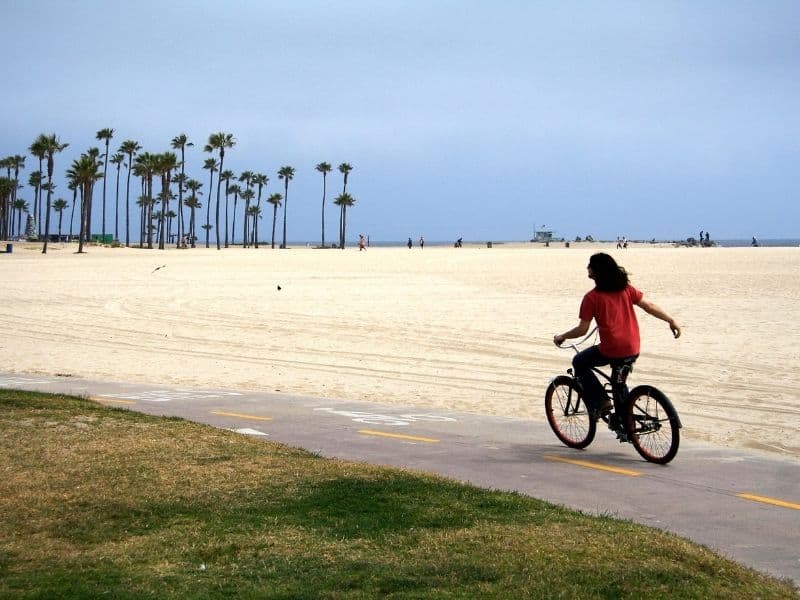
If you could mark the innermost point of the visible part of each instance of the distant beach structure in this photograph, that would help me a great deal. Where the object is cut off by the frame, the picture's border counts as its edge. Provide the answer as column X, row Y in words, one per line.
column 542, row 234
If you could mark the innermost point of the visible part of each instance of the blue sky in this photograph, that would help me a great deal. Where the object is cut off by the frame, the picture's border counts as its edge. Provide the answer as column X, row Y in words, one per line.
column 474, row 119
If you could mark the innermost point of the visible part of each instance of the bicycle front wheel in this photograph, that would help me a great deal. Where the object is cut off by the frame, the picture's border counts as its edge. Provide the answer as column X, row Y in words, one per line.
column 567, row 413
column 653, row 424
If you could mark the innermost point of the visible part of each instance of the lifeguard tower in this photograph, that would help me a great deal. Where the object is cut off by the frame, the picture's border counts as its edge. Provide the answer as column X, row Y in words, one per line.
column 542, row 234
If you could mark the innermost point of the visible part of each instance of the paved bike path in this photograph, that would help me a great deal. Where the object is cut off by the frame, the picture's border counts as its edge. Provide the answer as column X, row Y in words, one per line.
column 744, row 504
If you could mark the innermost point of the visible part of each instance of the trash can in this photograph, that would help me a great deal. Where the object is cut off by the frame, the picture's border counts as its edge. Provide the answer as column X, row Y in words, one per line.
column 9, row 248
column 488, row 244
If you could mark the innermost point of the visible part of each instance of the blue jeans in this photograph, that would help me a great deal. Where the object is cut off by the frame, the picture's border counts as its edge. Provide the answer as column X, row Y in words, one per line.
column 593, row 391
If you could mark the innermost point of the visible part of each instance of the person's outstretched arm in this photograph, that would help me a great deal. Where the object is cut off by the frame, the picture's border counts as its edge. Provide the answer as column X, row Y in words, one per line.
column 658, row 312
column 577, row 331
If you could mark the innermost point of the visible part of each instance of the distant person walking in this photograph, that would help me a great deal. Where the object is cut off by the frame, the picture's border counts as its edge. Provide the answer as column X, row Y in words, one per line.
column 362, row 242
column 421, row 242
column 410, row 244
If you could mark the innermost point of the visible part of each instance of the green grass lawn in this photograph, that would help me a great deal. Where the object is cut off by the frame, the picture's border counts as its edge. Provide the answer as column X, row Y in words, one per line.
column 101, row 502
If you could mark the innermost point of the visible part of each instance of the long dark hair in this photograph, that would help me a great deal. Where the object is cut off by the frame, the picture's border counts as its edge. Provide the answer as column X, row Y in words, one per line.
column 607, row 274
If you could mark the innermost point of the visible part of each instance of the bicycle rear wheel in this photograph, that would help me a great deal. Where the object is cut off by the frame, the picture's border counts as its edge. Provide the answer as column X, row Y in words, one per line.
column 653, row 424
column 567, row 413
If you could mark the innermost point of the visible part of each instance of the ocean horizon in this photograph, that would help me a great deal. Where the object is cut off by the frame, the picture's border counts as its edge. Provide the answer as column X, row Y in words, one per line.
column 732, row 243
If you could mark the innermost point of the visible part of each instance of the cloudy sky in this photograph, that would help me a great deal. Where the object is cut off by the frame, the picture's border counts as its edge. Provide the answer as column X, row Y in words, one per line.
column 463, row 118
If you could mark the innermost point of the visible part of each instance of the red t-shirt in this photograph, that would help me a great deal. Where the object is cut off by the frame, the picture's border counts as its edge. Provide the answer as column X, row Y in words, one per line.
column 616, row 320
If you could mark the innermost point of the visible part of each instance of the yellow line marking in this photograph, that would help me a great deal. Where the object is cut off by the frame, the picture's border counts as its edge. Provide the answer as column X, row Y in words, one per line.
column 598, row 466
column 232, row 414
column 398, row 436
column 112, row 401
column 767, row 500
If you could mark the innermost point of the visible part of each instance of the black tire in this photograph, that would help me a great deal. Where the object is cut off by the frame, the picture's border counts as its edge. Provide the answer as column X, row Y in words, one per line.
column 653, row 424
column 567, row 413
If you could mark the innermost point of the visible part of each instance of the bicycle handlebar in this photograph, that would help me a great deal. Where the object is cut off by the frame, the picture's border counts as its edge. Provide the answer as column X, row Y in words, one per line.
column 575, row 345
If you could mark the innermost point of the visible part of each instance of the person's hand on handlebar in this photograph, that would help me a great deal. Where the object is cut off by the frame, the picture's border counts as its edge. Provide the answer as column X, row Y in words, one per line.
column 580, row 329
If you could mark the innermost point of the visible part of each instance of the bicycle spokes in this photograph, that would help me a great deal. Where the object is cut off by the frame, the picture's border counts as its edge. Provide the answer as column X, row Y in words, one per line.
column 653, row 424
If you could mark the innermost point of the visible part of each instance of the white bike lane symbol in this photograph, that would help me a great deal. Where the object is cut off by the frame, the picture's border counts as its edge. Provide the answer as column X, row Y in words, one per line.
column 388, row 420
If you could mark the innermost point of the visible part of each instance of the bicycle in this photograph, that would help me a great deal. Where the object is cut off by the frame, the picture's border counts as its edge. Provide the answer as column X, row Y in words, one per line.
column 643, row 416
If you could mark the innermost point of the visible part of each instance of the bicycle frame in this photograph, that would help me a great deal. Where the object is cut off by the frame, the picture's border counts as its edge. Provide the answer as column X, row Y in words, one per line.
column 616, row 380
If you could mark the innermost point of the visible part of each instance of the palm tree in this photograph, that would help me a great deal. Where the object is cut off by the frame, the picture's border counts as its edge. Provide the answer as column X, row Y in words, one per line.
column 38, row 150
column 165, row 163
column 323, row 168
column 180, row 180
column 180, row 142
column 129, row 147
column 170, row 216
column 260, row 180
column 144, row 204
column 254, row 212
column 344, row 200
column 247, row 178
column 51, row 145
column 146, row 164
column 59, row 206
column 20, row 206
column 226, row 176
column 104, row 134
column 15, row 162
column 219, row 141
column 344, row 169
column 275, row 200
column 72, row 185
column 84, row 172
column 287, row 174
column 36, row 180
column 247, row 195
column 117, row 160
column 236, row 191
column 212, row 166
column 7, row 186
column 193, row 203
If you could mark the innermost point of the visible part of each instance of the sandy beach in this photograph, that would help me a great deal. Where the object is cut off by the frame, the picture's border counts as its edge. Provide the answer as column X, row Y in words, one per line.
column 466, row 329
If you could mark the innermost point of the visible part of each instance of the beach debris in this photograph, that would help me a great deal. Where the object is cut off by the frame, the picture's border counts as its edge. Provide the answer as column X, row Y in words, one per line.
column 279, row 288
column 157, row 268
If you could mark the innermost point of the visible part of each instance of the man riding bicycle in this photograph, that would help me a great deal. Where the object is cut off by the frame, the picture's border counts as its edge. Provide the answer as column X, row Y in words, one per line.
column 610, row 303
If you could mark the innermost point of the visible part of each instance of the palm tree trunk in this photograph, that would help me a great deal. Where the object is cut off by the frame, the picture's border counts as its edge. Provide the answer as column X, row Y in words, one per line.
column 191, row 225
column 341, row 227
column 344, row 223
column 219, row 181
column 208, row 205
column 324, row 189
column 226, row 213
column 274, row 219
column 128, row 204
column 105, row 172
column 49, row 196
column 285, row 208
column 116, row 208
column 72, row 212
column 85, row 198
column 181, row 231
